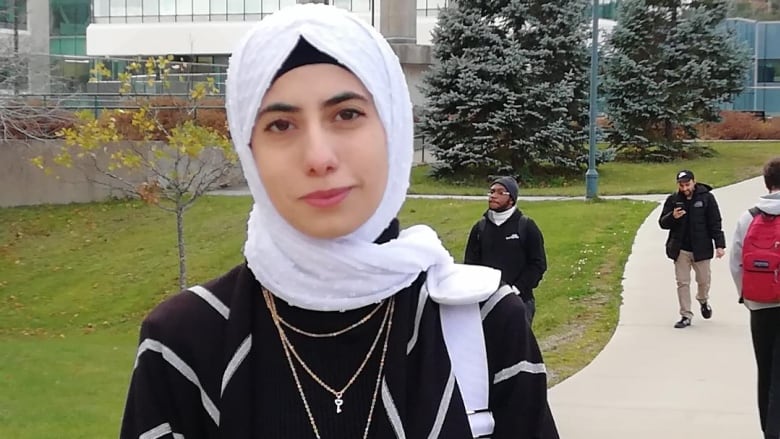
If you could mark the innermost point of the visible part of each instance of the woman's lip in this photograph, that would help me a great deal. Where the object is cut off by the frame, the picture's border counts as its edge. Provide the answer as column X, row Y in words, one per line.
column 327, row 198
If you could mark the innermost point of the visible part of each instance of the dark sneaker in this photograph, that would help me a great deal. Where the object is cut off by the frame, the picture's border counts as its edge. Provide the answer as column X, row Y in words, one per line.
column 683, row 323
column 706, row 310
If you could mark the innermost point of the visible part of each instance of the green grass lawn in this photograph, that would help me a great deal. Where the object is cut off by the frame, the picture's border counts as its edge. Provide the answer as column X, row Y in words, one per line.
column 76, row 280
column 735, row 161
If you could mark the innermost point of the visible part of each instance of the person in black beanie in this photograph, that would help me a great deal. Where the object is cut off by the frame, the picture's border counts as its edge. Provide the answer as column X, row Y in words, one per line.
column 509, row 241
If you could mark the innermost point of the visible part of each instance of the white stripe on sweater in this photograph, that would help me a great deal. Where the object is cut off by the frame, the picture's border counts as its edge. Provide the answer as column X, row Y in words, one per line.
column 491, row 303
column 235, row 362
column 211, row 299
column 444, row 407
column 183, row 368
column 523, row 366
column 160, row 431
column 392, row 412
column 421, row 300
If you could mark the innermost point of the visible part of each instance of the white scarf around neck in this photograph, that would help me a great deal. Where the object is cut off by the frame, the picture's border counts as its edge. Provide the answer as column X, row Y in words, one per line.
column 499, row 218
column 351, row 271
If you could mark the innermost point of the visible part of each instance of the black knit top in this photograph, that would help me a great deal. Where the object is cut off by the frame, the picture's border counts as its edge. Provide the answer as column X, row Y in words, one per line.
column 210, row 365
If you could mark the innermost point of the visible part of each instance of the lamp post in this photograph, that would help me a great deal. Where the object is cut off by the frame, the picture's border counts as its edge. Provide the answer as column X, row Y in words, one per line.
column 592, row 176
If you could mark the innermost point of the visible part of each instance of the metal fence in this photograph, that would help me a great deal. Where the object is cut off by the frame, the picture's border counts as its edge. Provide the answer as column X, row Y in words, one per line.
column 94, row 102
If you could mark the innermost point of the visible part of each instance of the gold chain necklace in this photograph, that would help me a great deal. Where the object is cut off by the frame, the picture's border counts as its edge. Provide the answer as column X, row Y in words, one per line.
column 338, row 394
column 387, row 323
column 327, row 334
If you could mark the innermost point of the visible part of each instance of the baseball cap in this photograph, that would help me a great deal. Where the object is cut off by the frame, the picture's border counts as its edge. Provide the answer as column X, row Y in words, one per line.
column 684, row 175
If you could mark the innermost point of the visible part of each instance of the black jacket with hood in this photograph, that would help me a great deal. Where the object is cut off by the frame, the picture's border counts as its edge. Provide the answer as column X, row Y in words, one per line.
column 517, row 251
column 702, row 222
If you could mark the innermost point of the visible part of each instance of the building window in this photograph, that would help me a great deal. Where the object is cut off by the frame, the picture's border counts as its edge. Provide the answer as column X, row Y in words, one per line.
column 13, row 12
column 769, row 70
column 13, row 75
column 69, row 17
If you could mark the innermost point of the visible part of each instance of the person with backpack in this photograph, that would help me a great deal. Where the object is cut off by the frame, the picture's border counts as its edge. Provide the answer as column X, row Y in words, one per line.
column 692, row 217
column 507, row 240
column 339, row 322
column 755, row 267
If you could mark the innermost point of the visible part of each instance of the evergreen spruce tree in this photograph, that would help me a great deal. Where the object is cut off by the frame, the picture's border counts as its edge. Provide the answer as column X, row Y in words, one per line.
column 506, row 92
column 669, row 67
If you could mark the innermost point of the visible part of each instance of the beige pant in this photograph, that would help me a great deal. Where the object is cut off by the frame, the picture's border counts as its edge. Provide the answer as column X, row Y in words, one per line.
column 682, row 270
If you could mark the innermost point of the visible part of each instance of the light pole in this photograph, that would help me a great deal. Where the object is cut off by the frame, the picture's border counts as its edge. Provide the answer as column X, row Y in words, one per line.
column 592, row 176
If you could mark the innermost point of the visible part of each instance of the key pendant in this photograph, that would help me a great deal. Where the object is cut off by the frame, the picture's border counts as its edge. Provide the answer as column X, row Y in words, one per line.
column 338, row 402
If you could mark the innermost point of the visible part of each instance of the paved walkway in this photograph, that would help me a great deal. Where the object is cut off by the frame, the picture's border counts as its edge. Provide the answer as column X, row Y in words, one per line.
column 244, row 191
column 655, row 382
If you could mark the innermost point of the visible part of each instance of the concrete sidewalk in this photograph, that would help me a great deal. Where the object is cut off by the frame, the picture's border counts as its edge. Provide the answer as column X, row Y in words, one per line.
column 240, row 191
column 653, row 381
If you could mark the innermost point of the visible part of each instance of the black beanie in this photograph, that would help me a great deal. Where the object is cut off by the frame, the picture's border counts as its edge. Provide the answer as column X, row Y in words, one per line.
column 511, row 186
column 304, row 54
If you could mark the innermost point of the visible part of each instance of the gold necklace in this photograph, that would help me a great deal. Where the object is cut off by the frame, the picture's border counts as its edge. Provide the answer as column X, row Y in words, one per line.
column 328, row 334
column 338, row 394
column 387, row 323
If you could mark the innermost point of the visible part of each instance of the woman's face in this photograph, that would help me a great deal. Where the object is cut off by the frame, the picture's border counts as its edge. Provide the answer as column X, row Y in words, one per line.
column 321, row 150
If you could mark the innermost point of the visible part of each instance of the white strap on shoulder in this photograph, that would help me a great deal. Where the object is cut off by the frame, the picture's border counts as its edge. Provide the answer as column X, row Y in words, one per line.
column 462, row 329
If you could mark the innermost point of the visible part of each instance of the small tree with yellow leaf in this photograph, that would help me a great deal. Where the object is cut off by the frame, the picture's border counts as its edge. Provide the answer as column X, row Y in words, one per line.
column 167, row 150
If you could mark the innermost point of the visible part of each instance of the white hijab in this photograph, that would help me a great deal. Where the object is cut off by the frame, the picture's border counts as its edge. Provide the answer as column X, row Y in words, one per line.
column 349, row 272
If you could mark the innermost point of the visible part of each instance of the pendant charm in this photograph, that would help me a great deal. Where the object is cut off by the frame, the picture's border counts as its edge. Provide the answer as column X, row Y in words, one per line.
column 338, row 402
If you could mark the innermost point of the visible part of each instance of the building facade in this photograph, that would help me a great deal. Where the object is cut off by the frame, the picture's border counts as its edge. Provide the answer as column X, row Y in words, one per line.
column 24, row 41
column 762, row 84
column 200, row 34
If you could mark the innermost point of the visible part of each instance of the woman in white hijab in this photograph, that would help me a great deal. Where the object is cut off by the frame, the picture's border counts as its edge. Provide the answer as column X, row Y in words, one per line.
column 339, row 324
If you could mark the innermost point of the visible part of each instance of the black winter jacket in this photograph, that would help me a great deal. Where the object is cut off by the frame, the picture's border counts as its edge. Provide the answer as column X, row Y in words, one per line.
column 702, row 222
column 521, row 259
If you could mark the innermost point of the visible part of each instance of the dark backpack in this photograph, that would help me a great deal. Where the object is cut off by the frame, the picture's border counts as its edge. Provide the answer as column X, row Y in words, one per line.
column 761, row 258
column 521, row 226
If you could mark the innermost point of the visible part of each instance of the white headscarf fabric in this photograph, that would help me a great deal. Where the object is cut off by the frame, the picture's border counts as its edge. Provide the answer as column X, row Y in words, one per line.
column 352, row 271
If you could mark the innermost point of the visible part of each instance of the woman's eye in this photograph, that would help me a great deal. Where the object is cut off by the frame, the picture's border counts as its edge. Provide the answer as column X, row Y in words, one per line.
column 348, row 115
column 278, row 126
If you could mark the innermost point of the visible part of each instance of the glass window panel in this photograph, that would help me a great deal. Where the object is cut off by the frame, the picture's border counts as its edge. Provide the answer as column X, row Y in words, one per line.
column 69, row 17
column 218, row 7
column 167, row 7
column 769, row 70
column 133, row 8
column 269, row 6
column 183, row 7
column 151, row 8
column 118, row 8
column 342, row 4
column 772, row 101
column 252, row 6
column 200, row 7
column 361, row 5
column 102, row 8
column 235, row 7
column 769, row 46
column 10, row 13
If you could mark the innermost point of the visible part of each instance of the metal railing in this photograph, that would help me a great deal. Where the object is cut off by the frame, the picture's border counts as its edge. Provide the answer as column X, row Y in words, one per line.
column 94, row 102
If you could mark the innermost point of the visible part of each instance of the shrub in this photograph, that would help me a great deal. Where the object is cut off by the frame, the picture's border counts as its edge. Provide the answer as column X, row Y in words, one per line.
column 736, row 125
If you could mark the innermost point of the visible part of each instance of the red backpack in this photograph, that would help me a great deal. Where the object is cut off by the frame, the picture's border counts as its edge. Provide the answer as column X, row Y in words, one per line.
column 761, row 258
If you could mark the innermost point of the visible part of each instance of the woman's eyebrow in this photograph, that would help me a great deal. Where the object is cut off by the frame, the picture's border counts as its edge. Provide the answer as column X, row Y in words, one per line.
column 277, row 107
column 281, row 107
column 343, row 97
